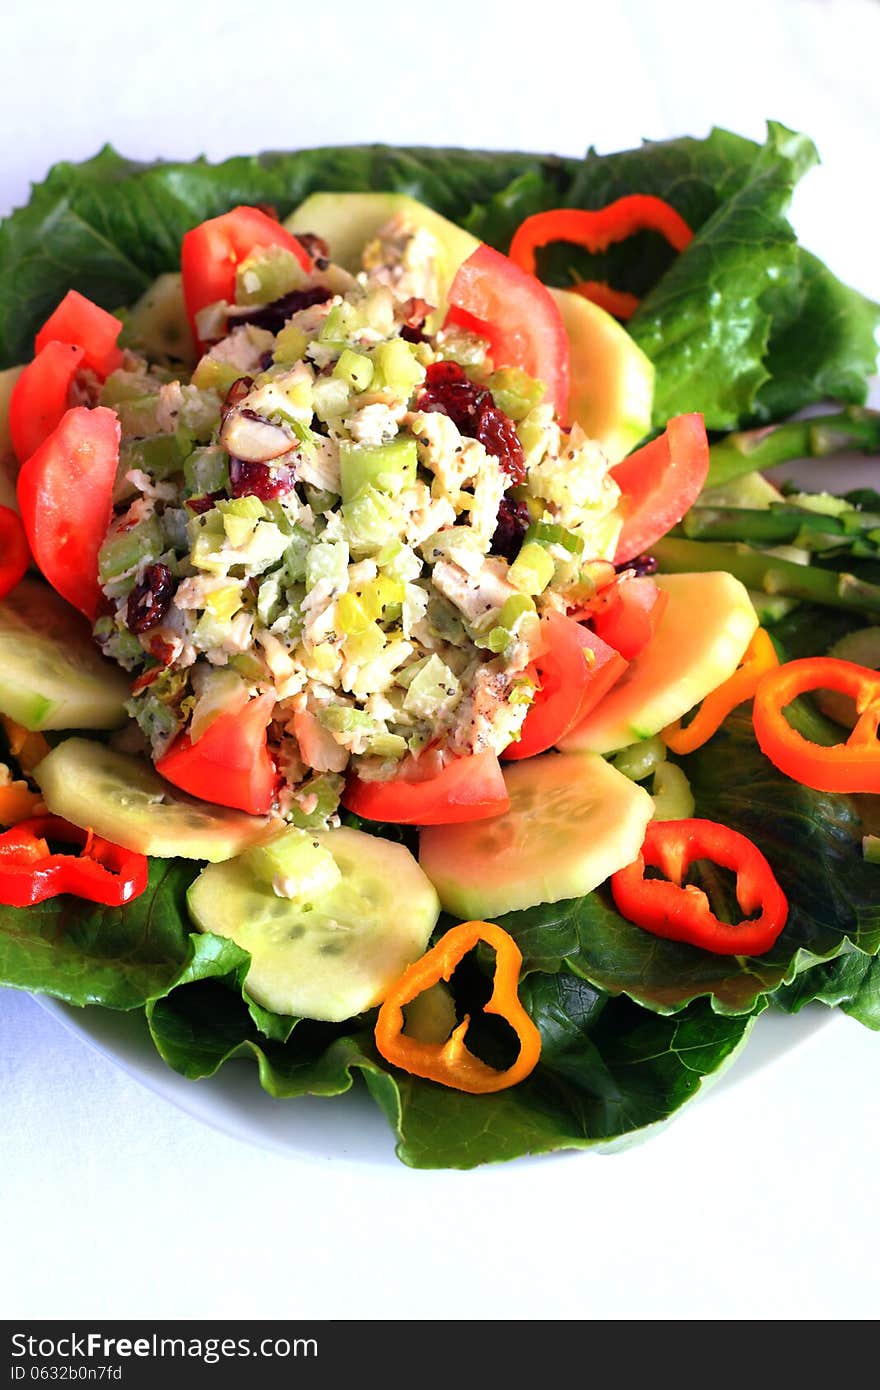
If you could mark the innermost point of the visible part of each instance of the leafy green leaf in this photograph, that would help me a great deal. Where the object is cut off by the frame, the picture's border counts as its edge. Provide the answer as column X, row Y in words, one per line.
column 607, row 1070
column 850, row 982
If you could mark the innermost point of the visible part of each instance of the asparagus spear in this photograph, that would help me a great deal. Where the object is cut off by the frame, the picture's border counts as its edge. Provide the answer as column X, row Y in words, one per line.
column 855, row 429
column 777, row 525
column 768, row 573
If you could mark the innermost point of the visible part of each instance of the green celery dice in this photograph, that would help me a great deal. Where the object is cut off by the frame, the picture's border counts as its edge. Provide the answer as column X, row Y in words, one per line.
column 390, row 468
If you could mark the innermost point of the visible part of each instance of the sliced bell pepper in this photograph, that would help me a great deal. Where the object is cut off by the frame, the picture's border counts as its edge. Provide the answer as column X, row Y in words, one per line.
column 450, row 1063
column 18, row 802
column 683, row 912
column 760, row 656
column 27, row 748
column 853, row 766
column 595, row 231
column 101, row 872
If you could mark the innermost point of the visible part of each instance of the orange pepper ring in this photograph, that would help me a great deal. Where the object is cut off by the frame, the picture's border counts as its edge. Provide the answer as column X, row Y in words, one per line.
column 451, row 1063
column 845, row 767
column 760, row 656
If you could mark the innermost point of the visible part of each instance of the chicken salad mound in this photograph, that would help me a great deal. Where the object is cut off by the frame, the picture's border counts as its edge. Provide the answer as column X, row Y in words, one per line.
column 350, row 515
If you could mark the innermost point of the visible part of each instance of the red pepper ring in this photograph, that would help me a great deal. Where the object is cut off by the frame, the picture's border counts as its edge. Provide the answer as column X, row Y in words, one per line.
column 684, row 913
column 101, row 873
column 450, row 1063
column 853, row 766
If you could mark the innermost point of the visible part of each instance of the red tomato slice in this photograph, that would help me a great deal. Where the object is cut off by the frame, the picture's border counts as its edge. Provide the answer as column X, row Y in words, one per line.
column 575, row 670
column 659, row 482
column 211, row 253
column 628, row 619
column 470, row 788
column 14, row 553
column 65, row 493
column 41, row 395
column 79, row 322
column 517, row 314
column 230, row 764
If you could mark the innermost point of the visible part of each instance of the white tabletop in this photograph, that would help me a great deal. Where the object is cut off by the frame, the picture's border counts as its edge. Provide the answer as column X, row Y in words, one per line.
column 761, row 1200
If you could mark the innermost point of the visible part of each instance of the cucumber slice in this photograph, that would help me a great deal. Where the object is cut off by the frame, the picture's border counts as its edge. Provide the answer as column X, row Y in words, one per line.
column 612, row 381
column 52, row 675
column 122, row 799
column 337, row 955
column 573, row 820
column 348, row 221
column 705, row 629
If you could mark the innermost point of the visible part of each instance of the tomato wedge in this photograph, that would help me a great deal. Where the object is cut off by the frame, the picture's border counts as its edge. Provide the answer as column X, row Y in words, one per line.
column 65, row 493
column 659, row 482
column 211, row 253
column 517, row 315
column 79, row 322
column 575, row 670
column 14, row 553
column 628, row 619
column 470, row 788
column 41, row 395
column 230, row 764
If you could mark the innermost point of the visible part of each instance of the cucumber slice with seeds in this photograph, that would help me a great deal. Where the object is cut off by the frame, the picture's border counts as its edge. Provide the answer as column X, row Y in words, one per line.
column 122, row 799
column 573, row 821
column 52, row 675
column 338, row 954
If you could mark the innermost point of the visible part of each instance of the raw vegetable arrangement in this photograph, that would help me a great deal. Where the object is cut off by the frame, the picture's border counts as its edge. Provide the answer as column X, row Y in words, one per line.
column 407, row 670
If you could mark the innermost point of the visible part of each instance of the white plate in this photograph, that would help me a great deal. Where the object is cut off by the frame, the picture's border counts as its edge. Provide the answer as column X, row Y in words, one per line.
column 351, row 1128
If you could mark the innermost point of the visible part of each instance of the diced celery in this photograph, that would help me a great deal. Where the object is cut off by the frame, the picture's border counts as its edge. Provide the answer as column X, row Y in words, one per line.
column 295, row 865
column 263, row 548
column 514, row 392
column 513, row 609
column 434, row 690
column 371, row 519
column 206, row 470
column 545, row 533
column 639, row 760
column 327, row 560
column 139, row 417
column 270, row 273
column 249, row 665
column 339, row 325
column 239, row 529
column 320, row 500
column 396, row 368
column 387, row 467
column 124, row 386
column 161, row 455
column 213, row 375
column 354, row 369
column 250, row 507
column 290, row 345
column 673, row 798
column 532, row 569
column 378, row 310
column 316, row 800
column 399, row 561
column 532, row 432
column 330, row 397
column 298, row 546
column 344, row 719
column 386, row 745
column 123, row 550
column 269, row 600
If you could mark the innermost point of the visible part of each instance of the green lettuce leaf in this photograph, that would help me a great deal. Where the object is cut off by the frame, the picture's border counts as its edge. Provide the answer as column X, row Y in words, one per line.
column 608, row 1070
column 850, row 982
column 743, row 325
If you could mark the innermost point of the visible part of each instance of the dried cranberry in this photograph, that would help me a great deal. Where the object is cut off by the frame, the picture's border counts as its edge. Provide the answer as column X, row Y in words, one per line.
column 150, row 599
column 412, row 335
column 474, row 412
column 513, row 522
column 203, row 503
column 259, row 480
column 275, row 315
column 643, row 564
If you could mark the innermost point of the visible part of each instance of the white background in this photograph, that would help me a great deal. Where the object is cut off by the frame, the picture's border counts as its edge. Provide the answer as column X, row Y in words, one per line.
column 761, row 1201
